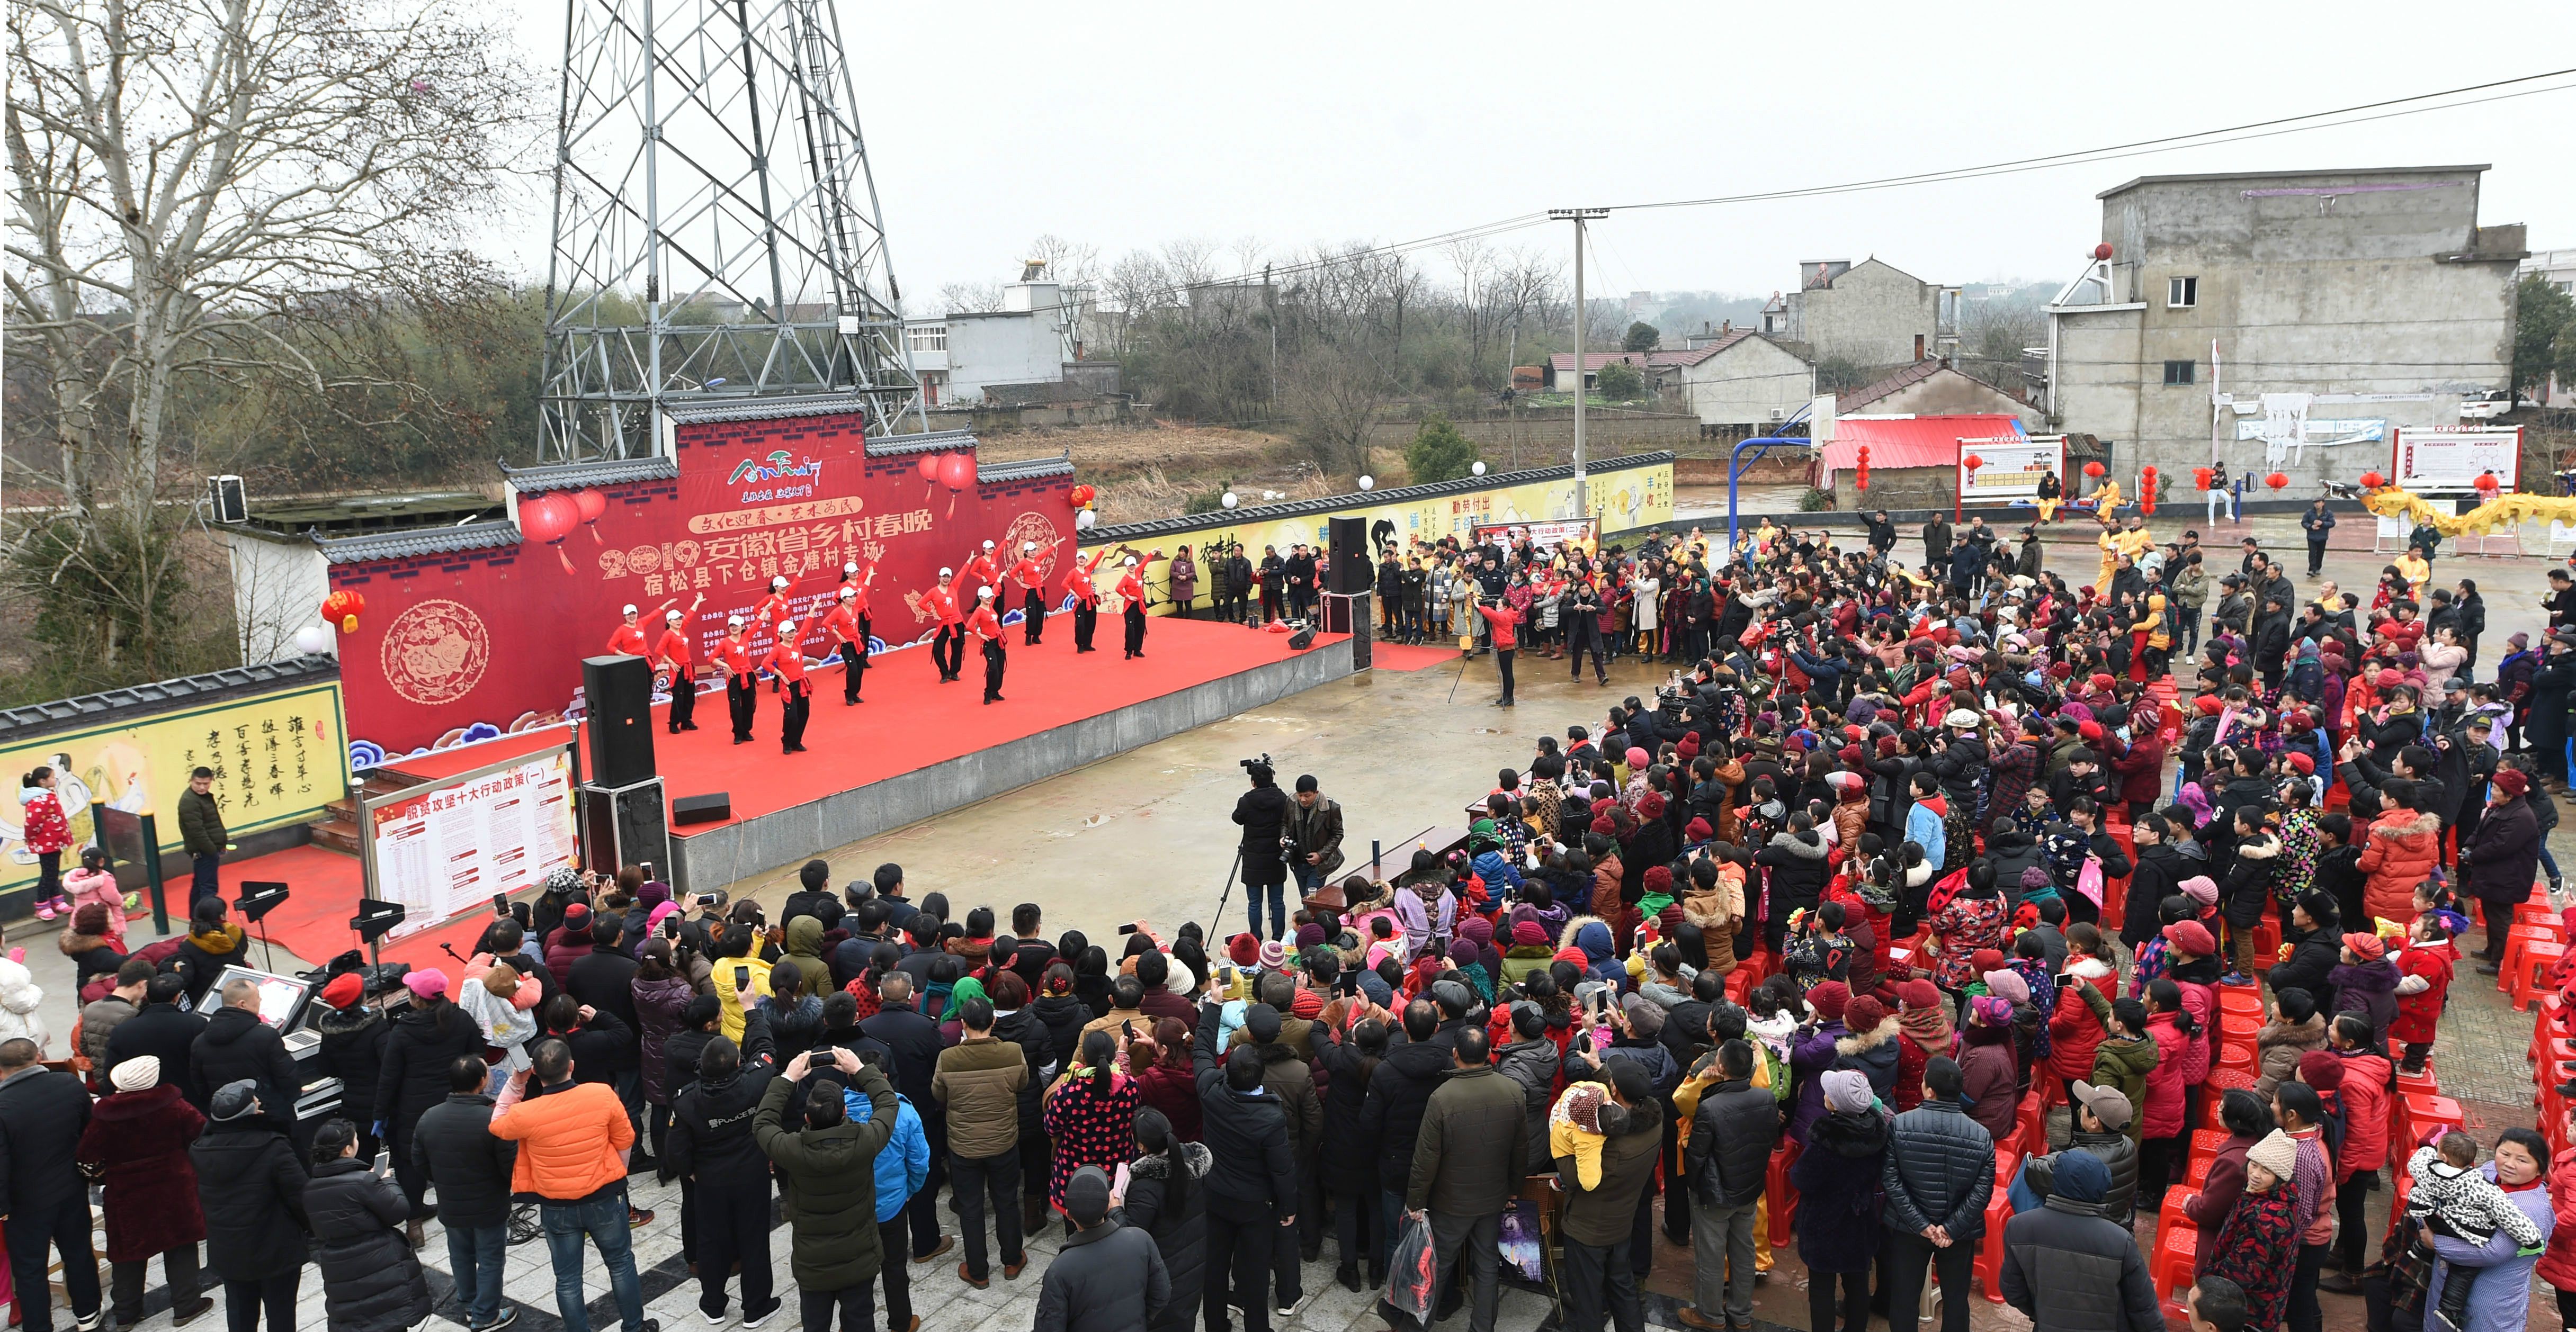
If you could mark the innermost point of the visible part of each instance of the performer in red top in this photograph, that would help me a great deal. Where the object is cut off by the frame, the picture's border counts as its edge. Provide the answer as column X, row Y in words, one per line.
column 773, row 607
column 1505, row 621
column 1131, row 591
column 787, row 660
column 847, row 630
column 670, row 659
column 733, row 662
column 983, row 569
column 987, row 628
column 1078, row 584
column 1031, row 580
column 948, row 646
column 627, row 640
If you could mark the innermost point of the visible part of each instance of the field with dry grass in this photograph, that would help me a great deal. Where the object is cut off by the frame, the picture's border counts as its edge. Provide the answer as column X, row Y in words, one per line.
column 1163, row 469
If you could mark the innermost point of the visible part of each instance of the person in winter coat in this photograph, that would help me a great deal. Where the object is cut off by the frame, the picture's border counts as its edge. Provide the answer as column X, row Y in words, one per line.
column 2557, row 1264
column 2066, row 1266
column 2176, row 1034
column 2366, row 983
column 2500, row 859
column 1108, row 1277
column 2101, row 1115
column 2361, row 1090
column 1938, row 1172
column 44, row 832
column 660, row 995
column 371, row 1279
column 1989, row 1074
column 1838, row 1178
column 2245, row 893
column 353, row 1034
column 1165, row 1199
column 2501, row 1299
column 2082, row 1016
column 213, row 944
column 1252, row 1186
column 2315, row 941
column 136, row 1146
column 2126, row 1059
column 2404, row 846
column 236, row 1045
column 250, row 1186
column 902, row 1171
column 452, row 1146
column 2257, row 1246
column 84, row 940
column 424, row 1044
column 2423, row 984
column 2295, row 1029
column 1813, row 1052
column 100, row 1017
column 160, row 1028
column 1603, row 1196
column 1090, row 1112
column 712, row 1145
column 2248, row 1120
column 43, row 1118
column 834, row 1248
column 573, row 1140
column 1734, row 1127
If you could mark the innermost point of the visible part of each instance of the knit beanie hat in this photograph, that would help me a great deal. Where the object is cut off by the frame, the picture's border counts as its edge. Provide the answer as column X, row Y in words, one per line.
column 1846, row 1090
column 2278, row 1152
column 2034, row 877
column 2367, row 947
column 2191, row 937
column 1829, row 999
column 2322, row 1070
column 2080, row 1176
column 136, row 1073
column 2200, row 888
column 1582, row 1104
column 1309, row 935
column 1244, row 948
column 1864, row 1014
column 2008, row 984
column 1986, row 959
column 1529, row 934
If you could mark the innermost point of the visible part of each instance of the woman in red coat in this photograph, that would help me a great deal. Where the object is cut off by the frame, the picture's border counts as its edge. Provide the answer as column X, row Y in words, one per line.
column 136, row 1145
column 2558, row 1263
column 2076, row 1028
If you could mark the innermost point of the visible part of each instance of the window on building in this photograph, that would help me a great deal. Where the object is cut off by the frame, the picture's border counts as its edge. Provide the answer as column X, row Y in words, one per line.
column 2179, row 372
column 928, row 339
column 2181, row 292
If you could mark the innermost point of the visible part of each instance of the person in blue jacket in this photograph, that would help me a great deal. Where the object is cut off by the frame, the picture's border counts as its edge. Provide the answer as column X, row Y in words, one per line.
column 903, row 1167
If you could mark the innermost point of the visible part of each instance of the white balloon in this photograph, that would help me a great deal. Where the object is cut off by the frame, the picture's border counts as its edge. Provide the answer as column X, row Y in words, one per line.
column 1083, row 520
column 314, row 641
column 1368, row 483
column 1479, row 468
column 1232, row 499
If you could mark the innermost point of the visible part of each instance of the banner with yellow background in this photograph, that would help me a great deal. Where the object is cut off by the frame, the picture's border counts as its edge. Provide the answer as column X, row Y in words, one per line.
column 278, row 758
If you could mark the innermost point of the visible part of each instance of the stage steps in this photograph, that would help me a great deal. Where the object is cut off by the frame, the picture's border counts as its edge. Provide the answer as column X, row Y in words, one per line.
column 337, row 830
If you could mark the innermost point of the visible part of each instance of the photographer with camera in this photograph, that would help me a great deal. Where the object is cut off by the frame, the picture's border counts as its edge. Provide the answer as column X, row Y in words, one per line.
column 1263, row 814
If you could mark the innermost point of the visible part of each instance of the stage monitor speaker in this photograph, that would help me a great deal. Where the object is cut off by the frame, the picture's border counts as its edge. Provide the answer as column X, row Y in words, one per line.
column 714, row 808
column 619, row 693
column 1302, row 639
column 1348, row 542
column 625, row 825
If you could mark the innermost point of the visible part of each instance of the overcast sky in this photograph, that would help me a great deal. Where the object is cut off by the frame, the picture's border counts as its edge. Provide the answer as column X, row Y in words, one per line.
column 1127, row 126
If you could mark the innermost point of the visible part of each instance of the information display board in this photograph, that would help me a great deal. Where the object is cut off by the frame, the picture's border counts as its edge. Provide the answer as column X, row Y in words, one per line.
column 2013, row 466
column 446, row 847
column 2451, row 457
column 1546, row 534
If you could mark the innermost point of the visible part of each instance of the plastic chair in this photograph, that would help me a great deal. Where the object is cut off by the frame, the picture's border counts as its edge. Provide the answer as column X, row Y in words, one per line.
column 2030, row 1125
column 1739, row 985
column 1988, row 1269
column 2170, row 1217
column 2529, row 979
column 2420, row 1115
column 2544, row 915
column 2170, row 1269
column 2519, row 938
column 2214, row 1089
column 2239, row 1057
column 2267, row 944
column 2547, row 1024
column 1779, row 1195
column 2198, row 1175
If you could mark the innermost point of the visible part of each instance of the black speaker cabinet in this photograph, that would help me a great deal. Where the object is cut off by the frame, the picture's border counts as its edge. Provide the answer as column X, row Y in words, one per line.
column 624, row 826
column 1348, row 541
column 1354, row 615
column 714, row 808
column 619, row 692
column 1302, row 639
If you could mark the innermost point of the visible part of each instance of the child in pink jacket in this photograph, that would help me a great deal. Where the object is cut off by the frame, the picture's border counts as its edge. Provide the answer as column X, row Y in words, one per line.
column 93, row 883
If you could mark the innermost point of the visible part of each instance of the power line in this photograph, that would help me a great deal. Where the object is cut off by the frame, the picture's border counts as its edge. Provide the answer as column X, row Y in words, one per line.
column 2168, row 143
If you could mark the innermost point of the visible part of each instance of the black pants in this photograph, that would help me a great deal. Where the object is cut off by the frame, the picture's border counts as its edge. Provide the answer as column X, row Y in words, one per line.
column 2350, row 1229
column 948, row 650
column 63, row 1226
column 684, row 704
column 127, row 1280
column 2316, row 557
column 996, row 1179
column 922, row 1213
column 854, row 667
column 856, row 1304
column 892, row 1243
column 414, row 1180
column 1086, row 617
column 1239, row 1236
column 994, row 660
column 1503, row 663
column 1598, row 1284
column 1356, row 1227
column 243, row 1301
column 733, row 1223
column 1135, row 622
column 1855, row 1300
column 1470, row 1240
column 1901, row 1268
column 742, row 700
column 797, row 705
column 1032, row 615
column 2304, row 1315
column 1591, row 643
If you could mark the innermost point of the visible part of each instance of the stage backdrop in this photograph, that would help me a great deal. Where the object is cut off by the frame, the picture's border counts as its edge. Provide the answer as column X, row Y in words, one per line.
column 463, row 644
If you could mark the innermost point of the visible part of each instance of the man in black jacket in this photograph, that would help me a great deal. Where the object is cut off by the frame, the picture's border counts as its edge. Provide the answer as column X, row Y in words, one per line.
column 1939, row 1171
column 711, row 1145
column 161, row 1029
column 913, row 1041
column 453, row 1145
column 237, row 1045
column 1391, row 1117
column 1262, row 812
column 1252, row 1189
column 1732, row 1135
column 42, row 1117
column 2065, row 1265
column 1108, row 1276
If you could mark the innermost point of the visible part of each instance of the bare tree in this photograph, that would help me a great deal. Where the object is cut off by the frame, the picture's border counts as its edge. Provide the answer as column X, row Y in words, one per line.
column 1073, row 263
column 193, row 182
column 970, row 298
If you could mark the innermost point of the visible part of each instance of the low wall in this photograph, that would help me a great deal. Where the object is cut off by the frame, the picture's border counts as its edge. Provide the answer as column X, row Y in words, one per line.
column 705, row 861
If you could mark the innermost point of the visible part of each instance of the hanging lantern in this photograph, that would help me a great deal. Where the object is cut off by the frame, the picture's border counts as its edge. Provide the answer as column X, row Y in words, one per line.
column 591, row 506
column 549, row 519
column 2487, row 485
column 313, row 641
column 1861, row 481
column 2372, row 480
column 928, row 466
column 2095, row 469
column 2201, row 476
column 1079, row 496
column 956, row 471
column 2276, row 480
column 2147, row 491
column 1972, row 462
column 343, row 609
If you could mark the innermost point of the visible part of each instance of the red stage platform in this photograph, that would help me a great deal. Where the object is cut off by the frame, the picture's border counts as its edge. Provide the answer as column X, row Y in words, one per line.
column 908, row 722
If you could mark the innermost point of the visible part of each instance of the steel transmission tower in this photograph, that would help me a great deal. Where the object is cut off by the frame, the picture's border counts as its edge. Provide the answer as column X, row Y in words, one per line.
column 716, row 232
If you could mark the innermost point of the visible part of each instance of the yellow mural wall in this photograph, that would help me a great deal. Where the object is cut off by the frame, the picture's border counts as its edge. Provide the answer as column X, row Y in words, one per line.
column 278, row 758
column 1623, row 497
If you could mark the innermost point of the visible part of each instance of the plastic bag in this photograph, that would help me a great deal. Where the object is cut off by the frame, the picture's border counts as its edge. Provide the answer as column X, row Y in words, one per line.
column 1413, row 1272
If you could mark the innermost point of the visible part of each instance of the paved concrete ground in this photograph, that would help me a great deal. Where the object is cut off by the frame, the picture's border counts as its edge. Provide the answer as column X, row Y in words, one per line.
column 1147, row 834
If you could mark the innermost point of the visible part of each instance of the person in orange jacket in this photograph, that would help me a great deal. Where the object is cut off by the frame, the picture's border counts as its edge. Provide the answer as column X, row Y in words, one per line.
column 787, row 663
column 573, row 1141
column 987, row 629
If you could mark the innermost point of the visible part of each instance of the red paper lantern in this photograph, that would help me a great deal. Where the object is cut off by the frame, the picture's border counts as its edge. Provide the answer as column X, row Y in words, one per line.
column 2102, row 251
column 2276, row 480
column 928, row 467
column 1972, row 462
column 592, row 506
column 344, row 608
column 1080, row 496
column 2201, row 476
column 2487, row 484
column 549, row 518
column 2372, row 480
column 956, row 471
column 1861, row 481
column 2147, row 491
column 2095, row 468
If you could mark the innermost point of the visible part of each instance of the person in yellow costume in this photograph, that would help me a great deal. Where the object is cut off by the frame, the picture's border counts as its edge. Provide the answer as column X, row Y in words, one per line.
column 2417, row 569
column 2106, row 498
column 2133, row 541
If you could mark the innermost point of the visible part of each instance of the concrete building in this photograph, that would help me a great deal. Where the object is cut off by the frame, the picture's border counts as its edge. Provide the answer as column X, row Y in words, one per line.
column 2558, row 269
column 2360, row 301
column 1743, row 380
column 1871, row 314
column 1017, row 353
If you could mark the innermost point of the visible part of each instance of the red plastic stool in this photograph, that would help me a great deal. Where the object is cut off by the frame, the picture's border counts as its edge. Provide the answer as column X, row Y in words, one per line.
column 2170, row 1269
column 2547, row 1024
column 1739, row 985
column 1779, row 1194
column 2198, row 1175
column 2030, row 1127
column 2529, row 977
column 2207, row 1142
column 2421, row 1115
column 2517, row 939
column 2214, row 1089
column 2544, row 915
column 1989, row 1266
column 2267, row 944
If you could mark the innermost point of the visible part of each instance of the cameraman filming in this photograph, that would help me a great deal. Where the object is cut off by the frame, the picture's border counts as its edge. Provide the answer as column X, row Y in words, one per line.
column 1262, row 811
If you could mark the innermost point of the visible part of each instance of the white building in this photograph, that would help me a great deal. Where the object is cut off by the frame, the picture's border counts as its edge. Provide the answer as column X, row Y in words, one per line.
column 970, row 357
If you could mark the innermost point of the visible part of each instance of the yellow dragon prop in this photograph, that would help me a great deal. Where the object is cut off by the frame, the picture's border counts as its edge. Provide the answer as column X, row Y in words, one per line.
column 2504, row 511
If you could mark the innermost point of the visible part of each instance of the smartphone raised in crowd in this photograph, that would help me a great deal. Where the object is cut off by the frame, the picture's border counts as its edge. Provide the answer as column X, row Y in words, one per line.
column 742, row 978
